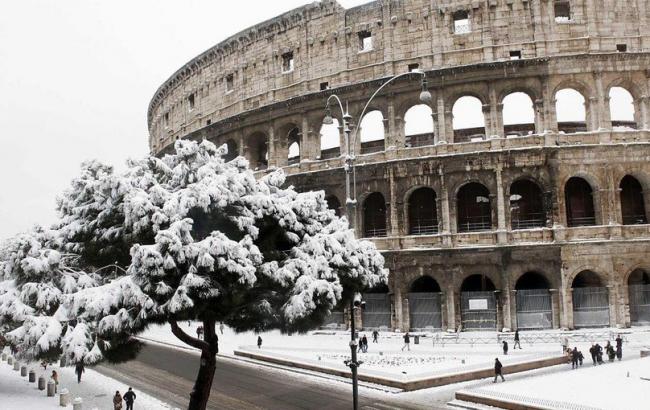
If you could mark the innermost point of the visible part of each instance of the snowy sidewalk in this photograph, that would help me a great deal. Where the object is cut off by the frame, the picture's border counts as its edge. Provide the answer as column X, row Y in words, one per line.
column 95, row 390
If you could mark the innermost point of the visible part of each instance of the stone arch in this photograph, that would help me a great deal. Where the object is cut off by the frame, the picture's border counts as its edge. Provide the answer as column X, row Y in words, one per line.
column 526, row 200
column 233, row 150
column 632, row 199
column 468, row 118
column 477, row 282
column 638, row 296
column 579, row 202
column 422, row 211
column 473, row 208
column 424, row 283
column 374, row 215
column 583, row 278
column 258, row 152
column 330, row 139
column 372, row 132
column 622, row 108
column 571, row 109
column 333, row 203
column 532, row 280
column 518, row 114
column 418, row 125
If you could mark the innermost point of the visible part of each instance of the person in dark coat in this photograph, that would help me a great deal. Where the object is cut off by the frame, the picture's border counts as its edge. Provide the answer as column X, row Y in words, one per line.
column 611, row 353
column 594, row 353
column 581, row 357
column 517, row 340
column 619, row 347
column 79, row 369
column 259, row 342
column 375, row 336
column 574, row 358
column 505, row 347
column 129, row 398
column 117, row 401
column 599, row 353
column 498, row 370
column 364, row 340
column 407, row 342
column 199, row 332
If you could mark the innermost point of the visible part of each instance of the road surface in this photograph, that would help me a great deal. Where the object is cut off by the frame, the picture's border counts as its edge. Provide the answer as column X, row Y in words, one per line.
column 168, row 374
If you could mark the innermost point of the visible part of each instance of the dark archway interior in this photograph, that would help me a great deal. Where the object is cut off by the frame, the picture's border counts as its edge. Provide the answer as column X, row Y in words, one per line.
column 532, row 280
column 374, row 215
column 334, row 204
column 423, row 217
column 477, row 283
column 233, row 151
column 526, row 205
column 474, row 210
column 425, row 284
column 587, row 279
column 259, row 156
column 632, row 206
column 639, row 277
column 579, row 203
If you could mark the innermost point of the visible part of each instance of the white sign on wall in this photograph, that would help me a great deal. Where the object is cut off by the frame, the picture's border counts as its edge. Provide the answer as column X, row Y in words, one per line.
column 478, row 304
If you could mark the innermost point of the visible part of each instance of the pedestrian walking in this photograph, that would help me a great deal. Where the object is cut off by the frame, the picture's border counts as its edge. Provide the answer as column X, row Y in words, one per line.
column 117, row 401
column 364, row 341
column 498, row 370
column 611, row 353
column 574, row 358
column 55, row 377
column 259, row 342
column 581, row 357
column 505, row 347
column 599, row 353
column 407, row 342
column 375, row 336
column 517, row 340
column 199, row 332
column 79, row 369
column 619, row 347
column 129, row 398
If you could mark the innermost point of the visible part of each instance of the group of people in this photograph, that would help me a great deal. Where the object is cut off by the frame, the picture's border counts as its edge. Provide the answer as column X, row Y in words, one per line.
column 596, row 351
column 129, row 398
column 363, row 344
column 516, row 344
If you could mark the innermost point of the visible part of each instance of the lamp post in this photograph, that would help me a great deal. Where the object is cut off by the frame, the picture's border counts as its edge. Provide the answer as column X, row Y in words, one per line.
column 351, row 197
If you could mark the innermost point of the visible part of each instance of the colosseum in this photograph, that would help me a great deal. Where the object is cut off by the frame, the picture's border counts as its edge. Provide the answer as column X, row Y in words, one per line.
column 517, row 196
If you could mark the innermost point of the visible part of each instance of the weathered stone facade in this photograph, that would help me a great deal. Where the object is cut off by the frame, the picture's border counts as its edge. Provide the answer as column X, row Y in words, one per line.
column 582, row 186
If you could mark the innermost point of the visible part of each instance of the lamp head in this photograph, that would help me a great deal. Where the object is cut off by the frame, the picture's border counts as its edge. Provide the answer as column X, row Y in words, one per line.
column 425, row 95
column 328, row 120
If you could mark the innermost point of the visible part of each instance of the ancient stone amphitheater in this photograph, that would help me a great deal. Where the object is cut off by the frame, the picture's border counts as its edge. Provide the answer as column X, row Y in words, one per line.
column 517, row 197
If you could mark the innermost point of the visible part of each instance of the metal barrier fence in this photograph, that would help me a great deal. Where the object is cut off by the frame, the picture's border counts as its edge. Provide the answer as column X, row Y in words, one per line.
column 639, row 304
column 424, row 310
column 377, row 311
column 590, row 307
column 478, row 310
column 424, row 227
column 534, row 309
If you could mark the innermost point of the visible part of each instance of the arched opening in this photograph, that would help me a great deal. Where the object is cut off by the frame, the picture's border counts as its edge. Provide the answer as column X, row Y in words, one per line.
column 424, row 304
column 371, row 130
column 330, row 141
column 293, row 139
column 258, row 151
column 590, row 300
column 374, row 216
column 422, row 212
column 570, row 111
column 474, row 210
column 478, row 308
column 621, row 109
column 579, row 203
column 632, row 203
column 468, row 119
column 518, row 115
column 533, row 302
column 334, row 204
column 526, row 205
column 233, row 150
column 376, row 314
column 639, row 294
column 418, row 126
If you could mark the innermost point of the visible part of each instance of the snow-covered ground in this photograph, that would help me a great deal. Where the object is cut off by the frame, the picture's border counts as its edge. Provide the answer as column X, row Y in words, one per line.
column 95, row 390
column 330, row 348
column 611, row 386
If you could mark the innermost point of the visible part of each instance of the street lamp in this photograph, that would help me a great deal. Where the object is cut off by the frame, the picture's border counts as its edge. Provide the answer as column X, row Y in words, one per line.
column 351, row 197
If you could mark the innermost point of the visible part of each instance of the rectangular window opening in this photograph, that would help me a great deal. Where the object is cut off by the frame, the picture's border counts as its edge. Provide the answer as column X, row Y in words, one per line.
column 562, row 10
column 515, row 55
column 324, row 86
column 413, row 67
column 461, row 22
column 166, row 119
column 287, row 62
column 621, row 48
column 230, row 83
column 190, row 102
column 365, row 41
column 208, row 122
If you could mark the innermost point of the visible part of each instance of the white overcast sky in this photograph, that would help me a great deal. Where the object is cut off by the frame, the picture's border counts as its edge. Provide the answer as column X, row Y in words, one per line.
column 76, row 77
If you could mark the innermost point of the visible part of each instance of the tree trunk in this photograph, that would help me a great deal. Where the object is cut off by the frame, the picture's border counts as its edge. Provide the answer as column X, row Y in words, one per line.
column 203, row 384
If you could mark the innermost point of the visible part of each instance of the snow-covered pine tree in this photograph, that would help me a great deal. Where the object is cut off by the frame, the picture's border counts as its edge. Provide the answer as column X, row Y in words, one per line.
column 208, row 242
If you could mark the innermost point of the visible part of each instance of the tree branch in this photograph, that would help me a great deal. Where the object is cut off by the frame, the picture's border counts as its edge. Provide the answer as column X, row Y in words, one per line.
column 184, row 337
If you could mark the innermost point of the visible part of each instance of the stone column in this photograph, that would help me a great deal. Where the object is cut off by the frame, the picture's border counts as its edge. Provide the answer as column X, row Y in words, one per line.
column 550, row 114
column 555, row 308
column 513, row 309
column 307, row 146
column 612, row 291
column 502, row 236
column 451, row 308
column 644, row 116
column 444, row 206
column 394, row 225
column 601, row 106
column 444, row 131
column 488, row 124
column 496, row 114
column 500, row 310
column 394, row 128
column 508, row 308
column 406, row 315
column 566, row 295
column 540, row 119
column 443, row 311
column 397, row 307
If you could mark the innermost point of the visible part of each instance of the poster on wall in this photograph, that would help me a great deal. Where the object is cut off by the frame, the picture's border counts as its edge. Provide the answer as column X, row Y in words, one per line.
column 478, row 304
